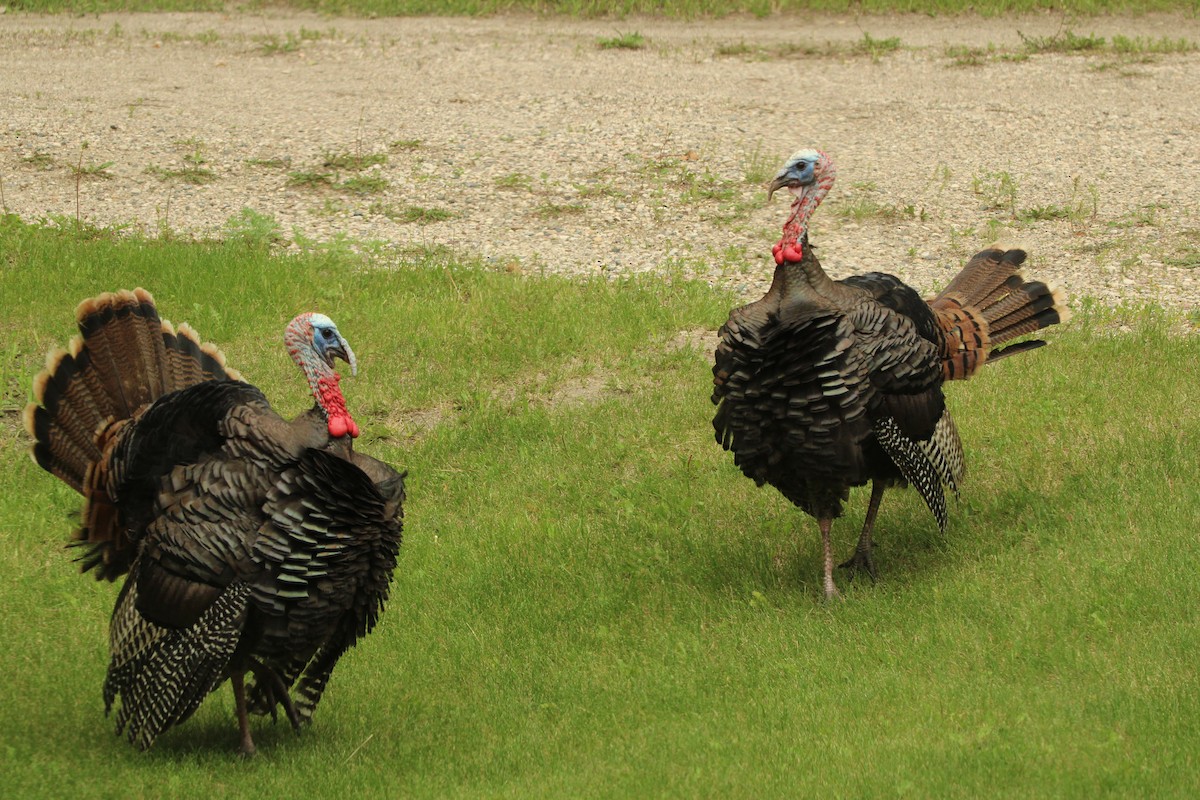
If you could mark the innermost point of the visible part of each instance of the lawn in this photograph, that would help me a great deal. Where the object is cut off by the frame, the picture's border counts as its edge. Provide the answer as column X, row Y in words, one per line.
column 590, row 598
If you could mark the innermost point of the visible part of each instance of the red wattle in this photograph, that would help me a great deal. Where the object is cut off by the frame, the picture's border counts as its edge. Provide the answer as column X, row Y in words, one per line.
column 340, row 421
column 791, row 253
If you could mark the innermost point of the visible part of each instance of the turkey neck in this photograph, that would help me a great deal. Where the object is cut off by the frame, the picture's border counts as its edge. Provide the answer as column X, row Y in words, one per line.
column 322, row 380
column 803, row 277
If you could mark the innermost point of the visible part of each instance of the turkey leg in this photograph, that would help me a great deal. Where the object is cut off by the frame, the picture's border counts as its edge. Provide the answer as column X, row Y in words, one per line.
column 830, row 590
column 862, row 558
column 239, row 699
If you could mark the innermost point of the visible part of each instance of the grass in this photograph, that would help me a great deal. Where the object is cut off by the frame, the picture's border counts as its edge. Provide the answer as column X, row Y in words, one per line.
column 193, row 170
column 365, row 184
column 354, row 162
column 420, row 215
column 862, row 209
column 622, row 41
column 310, row 179
column 592, row 601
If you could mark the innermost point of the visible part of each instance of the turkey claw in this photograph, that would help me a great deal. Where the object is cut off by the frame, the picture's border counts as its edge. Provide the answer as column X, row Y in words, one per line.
column 863, row 561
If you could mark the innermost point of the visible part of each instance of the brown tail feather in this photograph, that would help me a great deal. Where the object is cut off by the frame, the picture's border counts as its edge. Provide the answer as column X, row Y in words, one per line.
column 123, row 359
column 987, row 304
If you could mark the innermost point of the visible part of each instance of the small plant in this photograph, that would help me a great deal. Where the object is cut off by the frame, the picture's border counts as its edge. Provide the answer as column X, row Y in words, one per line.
column 515, row 181
column 870, row 46
column 404, row 144
column 281, row 162
column 253, row 230
column 554, row 210
column 1138, row 45
column 93, row 170
column 705, row 187
column 354, row 162
column 998, row 189
column 598, row 188
column 411, row 214
column 193, row 170
column 757, row 168
column 740, row 49
column 272, row 45
column 372, row 183
column 1062, row 42
column 963, row 56
column 310, row 179
column 38, row 159
column 863, row 209
column 622, row 41
column 1043, row 213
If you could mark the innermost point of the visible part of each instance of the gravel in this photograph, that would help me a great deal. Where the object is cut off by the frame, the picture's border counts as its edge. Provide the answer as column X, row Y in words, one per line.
column 551, row 154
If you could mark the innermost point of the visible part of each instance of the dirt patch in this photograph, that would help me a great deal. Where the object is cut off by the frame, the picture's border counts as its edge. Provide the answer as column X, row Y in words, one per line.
column 521, row 141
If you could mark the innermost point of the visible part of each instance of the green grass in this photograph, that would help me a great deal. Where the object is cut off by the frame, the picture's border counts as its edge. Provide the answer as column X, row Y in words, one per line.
column 688, row 9
column 592, row 601
column 411, row 214
column 622, row 41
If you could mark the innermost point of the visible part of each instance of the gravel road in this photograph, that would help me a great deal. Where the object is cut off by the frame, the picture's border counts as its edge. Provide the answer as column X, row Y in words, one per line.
column 522, row 141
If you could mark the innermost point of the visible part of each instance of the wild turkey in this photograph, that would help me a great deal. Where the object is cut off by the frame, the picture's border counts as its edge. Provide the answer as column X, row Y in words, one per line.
column 822, row 385
column 252, row 544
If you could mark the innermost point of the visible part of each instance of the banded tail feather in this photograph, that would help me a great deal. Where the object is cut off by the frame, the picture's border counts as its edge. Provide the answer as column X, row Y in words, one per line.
column 989, row 303
column 123, row 359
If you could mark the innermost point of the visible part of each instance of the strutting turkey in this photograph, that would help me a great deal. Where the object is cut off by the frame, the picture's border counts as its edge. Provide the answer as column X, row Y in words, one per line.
column 822, row 385
column 251, row 543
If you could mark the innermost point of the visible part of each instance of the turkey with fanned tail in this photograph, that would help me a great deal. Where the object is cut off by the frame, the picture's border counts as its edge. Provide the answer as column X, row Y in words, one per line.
column 823, row 385
column 251, row 544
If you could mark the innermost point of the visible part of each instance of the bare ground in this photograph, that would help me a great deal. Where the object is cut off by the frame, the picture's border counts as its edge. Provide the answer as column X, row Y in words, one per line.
column 546, row 152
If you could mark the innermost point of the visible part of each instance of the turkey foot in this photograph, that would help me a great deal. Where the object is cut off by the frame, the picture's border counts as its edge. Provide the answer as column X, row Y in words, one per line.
column 275, row 693
column 862, row 560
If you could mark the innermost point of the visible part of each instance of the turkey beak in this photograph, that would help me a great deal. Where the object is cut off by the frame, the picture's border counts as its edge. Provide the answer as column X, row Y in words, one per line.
column 781, row 180
column 342, row 350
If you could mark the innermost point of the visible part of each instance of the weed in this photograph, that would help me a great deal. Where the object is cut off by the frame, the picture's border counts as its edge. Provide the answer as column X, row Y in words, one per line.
column 310, row 179
column 1043, row 213
column 404, row 144
column 253, row 230
column 1187, row 258
column 555, row 210
column 191, row 173
column 865, row 208
column 272, row 45
column 964, row 56
column 38, row 159
column 622, row 41
column 757, row 168
column 515, row 181
column 279, row 162
column 354, row 162
column 371, row 183
column 739, row 49
column 1064, row 41
column 410, row 214
column 870, row 46
column 998, row 189
column 1141, row 46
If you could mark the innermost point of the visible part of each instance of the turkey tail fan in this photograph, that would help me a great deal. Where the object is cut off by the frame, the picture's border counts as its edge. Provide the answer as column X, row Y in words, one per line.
column 123, row 358
column 989, row 303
